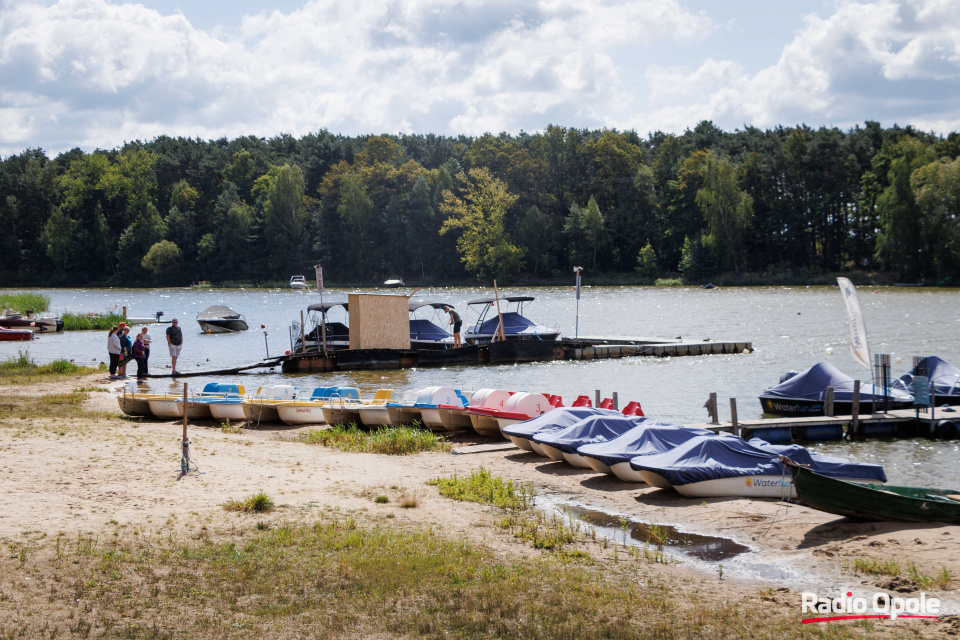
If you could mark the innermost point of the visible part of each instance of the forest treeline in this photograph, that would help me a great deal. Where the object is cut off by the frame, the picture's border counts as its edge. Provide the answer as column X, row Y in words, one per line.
column 435, row 209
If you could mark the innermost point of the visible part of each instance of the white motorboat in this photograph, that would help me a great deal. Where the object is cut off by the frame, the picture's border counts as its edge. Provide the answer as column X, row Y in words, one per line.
column 221, row 319
column 426, row 333
column 335, row 335
column 298, row 282
column 29, row 321
column 515, row 326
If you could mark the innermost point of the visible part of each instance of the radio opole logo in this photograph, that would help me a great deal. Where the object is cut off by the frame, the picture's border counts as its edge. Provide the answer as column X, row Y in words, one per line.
column 880, row 605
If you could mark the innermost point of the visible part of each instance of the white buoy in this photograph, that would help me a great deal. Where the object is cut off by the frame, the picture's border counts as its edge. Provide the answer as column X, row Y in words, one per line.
column 829, row 351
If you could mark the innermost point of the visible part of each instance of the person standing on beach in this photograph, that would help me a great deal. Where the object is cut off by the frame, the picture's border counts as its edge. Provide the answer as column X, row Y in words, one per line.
column 138, row 356
column 114, row 350
column 174, row 342
column 146, row 339
column 456, row 322
column 126, row 349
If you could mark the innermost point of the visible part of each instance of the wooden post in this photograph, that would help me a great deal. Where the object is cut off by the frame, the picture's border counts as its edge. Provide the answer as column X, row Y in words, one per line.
column 184, row 412
column 184, row 444
column 124, row 311
column 303, row 334
column 733, row 417
column 597, row 403
column 616, row 402
column 855, row 410
column 712, row 408
column 828, row 403
column 496, row 296
column 323, row 331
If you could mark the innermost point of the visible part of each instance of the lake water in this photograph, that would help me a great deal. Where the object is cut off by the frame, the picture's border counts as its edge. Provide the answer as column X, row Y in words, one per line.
column 790, row 328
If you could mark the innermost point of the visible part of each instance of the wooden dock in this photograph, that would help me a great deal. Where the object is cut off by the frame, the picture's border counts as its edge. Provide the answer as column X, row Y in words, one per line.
column 898, row 423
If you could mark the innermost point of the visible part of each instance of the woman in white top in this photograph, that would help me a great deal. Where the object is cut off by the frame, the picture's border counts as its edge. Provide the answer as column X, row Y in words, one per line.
column 113, row 350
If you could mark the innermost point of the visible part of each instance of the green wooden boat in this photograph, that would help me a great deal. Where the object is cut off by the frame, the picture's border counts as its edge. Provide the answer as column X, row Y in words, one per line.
column 874, row 501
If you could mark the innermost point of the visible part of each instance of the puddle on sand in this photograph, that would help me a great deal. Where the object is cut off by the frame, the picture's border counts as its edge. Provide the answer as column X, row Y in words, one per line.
column 707, row 548
column 706, row 552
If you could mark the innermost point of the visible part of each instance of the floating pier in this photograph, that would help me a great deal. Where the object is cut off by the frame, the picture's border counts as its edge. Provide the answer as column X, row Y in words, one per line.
column 943, row 423
column 508, row 352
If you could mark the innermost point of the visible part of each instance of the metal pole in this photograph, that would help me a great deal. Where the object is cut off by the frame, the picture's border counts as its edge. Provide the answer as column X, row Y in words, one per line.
column 265, row 344
column 576, row 333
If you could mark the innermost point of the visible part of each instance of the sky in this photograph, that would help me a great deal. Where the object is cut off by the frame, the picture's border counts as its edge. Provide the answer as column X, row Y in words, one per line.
column 98, row 73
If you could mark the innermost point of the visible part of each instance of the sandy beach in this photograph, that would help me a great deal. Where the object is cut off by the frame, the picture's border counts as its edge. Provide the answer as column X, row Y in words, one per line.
column 93, row 476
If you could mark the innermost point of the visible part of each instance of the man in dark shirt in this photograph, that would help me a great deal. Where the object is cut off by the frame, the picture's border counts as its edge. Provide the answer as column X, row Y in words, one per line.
column 456, row 322
column 174, row 342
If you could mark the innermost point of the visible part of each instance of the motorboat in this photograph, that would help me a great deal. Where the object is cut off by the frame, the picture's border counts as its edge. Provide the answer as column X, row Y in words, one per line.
column 29, row 321
column 522, row 434
column 309, row 410
column 804, row 394
column 221, row 319
column 262, row 406
column 515, row 325
column 647, row 438
column 424, row 332
column 298, row 282
column 727, row 466
column 561, row 445
column 393, row 283
column 335, row 335
column 943, row 377
column 15, row 335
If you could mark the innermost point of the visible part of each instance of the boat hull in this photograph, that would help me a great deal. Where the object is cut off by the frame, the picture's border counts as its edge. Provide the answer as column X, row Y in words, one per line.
column 300, row 413
column 227, row 411
column 257, row 412
column 795, row 408
column 485, row 425
column 454, row 419
column 344, row 415
column 375, row 416
column 875, row 502
column 403, row 415
column 552, row 452
column 430, row 417
column 521, row 443
column 625, row 472
column 172, row 408
column 654, row 479
column 222, row 326
column 583, row 462
column 134, row 406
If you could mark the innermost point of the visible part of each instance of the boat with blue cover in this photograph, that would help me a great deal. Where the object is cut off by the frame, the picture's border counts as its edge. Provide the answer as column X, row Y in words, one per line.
column 804, row 394
column 944, row 380
column 563, row 444
column 515, row 325
column 647, row 438
column 521, row 434
column 424, row 332
column 727, row 466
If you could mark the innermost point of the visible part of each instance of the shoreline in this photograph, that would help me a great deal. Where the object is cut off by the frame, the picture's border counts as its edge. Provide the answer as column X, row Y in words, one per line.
column 91, row 476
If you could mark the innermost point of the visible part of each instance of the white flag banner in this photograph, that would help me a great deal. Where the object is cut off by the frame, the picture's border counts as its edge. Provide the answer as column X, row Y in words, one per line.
column 858, row 328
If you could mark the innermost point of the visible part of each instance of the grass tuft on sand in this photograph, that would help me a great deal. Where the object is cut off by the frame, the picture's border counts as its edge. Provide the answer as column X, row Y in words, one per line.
column 257, row 503
column 397, row 441
column 23, row 370
column 482, row 486
column 337, row 579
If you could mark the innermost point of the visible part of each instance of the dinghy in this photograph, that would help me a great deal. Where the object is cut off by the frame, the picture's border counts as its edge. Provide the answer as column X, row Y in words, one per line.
column 726, row 466
column 646, row 438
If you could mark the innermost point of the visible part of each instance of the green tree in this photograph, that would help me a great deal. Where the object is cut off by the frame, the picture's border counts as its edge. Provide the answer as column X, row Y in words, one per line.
column 162, row 260
column 647, row 262
column 280, row 192
column 726, row 208
column 145, row 231
column 584, row 229
column 478, row 213
column 58, row 238
column 937, row 189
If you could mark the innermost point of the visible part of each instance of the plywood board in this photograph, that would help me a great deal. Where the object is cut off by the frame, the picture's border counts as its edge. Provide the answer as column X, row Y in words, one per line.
column 379, row 321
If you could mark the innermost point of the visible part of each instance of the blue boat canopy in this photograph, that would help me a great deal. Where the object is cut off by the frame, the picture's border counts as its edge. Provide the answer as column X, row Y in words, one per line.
column 514, row 324
column 426, row 330
column 554, row 420
column 812, row 383
column 712, row 458
column 595, row 429
column 646, row 438
column 944, row 377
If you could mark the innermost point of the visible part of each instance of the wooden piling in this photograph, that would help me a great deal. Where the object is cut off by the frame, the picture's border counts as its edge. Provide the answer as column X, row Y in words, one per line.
column 597, row 402
column 733, row 417
column 828, row 403
column 712, row 408
column 616, row 402
column 855, row 410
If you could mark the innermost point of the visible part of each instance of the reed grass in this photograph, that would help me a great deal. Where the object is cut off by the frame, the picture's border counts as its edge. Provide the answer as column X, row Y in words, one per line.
column 23, row 370
column 669, row 282
column 338, row 578
column 482, row 486
column 257, row 503
column 21, row 302
column 398, row 441
column 876, row 567
column 87, row 322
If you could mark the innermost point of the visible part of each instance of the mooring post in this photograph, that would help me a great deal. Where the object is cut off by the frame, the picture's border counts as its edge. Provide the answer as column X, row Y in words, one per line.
column 616, row 402
column 597, row 403
column 303, row 334
column 855, row 410
column 185, row 444
column 712, row 408
column 733, row 417
column 828, row 403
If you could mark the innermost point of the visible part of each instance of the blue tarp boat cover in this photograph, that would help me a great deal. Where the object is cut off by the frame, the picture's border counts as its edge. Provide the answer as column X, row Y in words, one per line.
column 555, row 420
column 645, row 439
column 811, row 384
column 944, row 377
column 426, row 330
column 514, row 324
column 712, row 458
column 589, row 430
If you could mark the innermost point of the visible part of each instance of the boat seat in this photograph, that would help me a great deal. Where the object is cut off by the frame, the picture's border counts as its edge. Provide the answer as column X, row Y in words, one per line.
column 346, row 393
column 582, row 401
column 321, row 393
column 555, row 401
column 211, row 387
column 606, row 403
column 383, row 395
column 633, row 409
